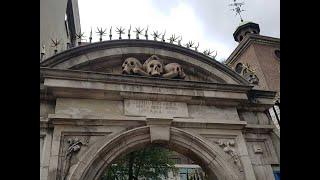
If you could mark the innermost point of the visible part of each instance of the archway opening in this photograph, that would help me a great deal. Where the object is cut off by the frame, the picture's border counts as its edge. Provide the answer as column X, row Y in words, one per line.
column 209, row 156
column 155, row 161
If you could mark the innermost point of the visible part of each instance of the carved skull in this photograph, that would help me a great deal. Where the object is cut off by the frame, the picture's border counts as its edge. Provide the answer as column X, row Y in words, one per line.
column 153, row 66
column 174, row 70
column 131, row 66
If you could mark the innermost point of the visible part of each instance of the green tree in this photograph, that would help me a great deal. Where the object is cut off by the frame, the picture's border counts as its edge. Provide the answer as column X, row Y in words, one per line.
column 150, row 163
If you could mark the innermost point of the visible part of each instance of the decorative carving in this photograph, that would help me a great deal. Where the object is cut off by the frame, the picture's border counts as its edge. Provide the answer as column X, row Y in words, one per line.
column 132, row 66
column 228, row 147
column 74, row 147
column 249, row 74
column 257, row 149
column 173, row 70
column 153, row 66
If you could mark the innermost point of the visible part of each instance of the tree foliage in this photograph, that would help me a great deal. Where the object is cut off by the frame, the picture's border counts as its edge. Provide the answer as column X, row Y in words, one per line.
column 149, row 163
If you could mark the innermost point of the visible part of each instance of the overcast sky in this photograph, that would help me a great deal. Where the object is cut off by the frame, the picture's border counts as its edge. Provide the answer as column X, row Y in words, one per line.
column 209, row 22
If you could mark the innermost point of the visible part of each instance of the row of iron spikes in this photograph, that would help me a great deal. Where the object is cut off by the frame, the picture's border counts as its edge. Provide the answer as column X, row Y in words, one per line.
column 138, row 31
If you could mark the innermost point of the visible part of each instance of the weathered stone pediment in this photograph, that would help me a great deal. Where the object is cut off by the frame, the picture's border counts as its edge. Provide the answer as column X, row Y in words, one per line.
column 110, row 57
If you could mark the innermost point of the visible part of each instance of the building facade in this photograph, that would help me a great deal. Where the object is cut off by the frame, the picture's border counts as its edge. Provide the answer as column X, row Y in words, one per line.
column 257, row 58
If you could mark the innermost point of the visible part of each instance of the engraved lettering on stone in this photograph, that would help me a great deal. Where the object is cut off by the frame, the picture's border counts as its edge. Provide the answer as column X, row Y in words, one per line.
column 155, row 108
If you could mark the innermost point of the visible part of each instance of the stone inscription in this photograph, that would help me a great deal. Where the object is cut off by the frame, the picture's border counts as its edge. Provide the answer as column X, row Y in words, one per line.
column 155, row 108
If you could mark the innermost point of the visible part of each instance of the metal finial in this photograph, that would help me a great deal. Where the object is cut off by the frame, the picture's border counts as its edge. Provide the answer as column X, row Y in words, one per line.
column 214, row 56
column 101, row 33
column 146, row 33
column 156, row 35
column 207, row 52
column 237, row 8
column 190, row 44
column 120, row 31
column 90, row 37
column 179, row 41
column 110, row 33
column 43, row 49
column 196, row 48
column 43, row 52
column 163, row 40
column 173, row 38
column 129, row 32
column 80, row 36
column 55, row 43
column 138, row 31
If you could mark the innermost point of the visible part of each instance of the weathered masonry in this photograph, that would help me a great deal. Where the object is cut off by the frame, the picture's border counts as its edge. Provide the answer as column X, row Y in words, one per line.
column 105, row 99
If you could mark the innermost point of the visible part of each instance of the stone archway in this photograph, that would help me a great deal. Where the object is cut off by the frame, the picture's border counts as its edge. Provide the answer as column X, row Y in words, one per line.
column 102, row 153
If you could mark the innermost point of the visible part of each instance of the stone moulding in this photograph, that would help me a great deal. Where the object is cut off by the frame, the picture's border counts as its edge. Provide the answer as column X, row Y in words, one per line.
column 91, row 165
column 249, row 39
column 119, row 47
column 130, row 79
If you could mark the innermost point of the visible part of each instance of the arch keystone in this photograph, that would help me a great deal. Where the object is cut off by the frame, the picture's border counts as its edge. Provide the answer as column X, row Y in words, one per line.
column 159, row 129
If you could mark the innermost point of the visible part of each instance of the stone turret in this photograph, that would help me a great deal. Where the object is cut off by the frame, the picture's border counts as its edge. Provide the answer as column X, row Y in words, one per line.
column 244, row 28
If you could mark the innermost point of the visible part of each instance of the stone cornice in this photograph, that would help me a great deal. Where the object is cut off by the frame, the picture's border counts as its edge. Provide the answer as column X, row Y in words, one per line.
column 136, row 80
column 63, row 119
column 247, row 41
column 80, row 50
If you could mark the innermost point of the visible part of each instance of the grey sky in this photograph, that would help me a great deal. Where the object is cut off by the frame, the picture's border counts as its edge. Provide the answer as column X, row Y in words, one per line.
column 209, row 22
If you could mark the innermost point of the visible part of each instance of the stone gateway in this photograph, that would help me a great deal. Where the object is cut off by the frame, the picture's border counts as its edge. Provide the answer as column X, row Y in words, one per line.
column 103, row 100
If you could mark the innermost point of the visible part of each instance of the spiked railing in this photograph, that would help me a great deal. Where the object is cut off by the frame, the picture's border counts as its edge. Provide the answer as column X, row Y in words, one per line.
column 101, row 33
column 119, row 30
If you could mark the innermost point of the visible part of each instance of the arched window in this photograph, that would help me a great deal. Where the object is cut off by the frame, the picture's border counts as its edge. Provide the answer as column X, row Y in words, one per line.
column 239, row 68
